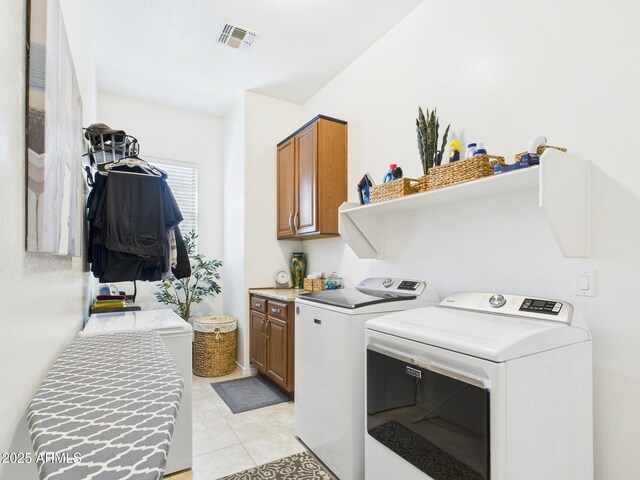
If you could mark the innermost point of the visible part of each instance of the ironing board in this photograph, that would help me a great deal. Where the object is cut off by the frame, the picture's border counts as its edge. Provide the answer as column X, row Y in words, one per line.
column 106, row 409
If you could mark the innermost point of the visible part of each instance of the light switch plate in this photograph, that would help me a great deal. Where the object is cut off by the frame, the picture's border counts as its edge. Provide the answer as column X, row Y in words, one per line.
column 585, row 283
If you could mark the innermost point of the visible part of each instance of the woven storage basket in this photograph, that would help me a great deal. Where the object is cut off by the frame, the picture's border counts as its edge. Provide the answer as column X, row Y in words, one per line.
column 313, row 284
column 478, row 166
column 394, row 189
column 541, row 149
column 214, row 345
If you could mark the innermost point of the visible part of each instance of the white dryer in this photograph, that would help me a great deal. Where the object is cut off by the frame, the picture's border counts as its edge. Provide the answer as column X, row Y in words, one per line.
column 177, row 336
column 329, row 373
column 481, row 387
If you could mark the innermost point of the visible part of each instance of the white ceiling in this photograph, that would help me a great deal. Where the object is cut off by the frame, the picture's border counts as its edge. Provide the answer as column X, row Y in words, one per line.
column 167, row 51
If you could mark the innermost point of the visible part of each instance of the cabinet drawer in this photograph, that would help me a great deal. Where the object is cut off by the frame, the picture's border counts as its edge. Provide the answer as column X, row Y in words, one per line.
column 258, row 304
column 277, row 309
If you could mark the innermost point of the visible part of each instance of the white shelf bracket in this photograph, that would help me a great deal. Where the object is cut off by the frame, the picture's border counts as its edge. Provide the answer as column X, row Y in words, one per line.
column 565, row 200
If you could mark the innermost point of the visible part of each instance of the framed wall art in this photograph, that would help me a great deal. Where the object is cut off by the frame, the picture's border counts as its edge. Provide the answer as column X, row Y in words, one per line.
column 53, row 136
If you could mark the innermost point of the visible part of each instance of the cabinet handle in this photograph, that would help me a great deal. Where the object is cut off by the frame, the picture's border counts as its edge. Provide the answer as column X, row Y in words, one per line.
column 296, row 220
column 257, row 305
column 291, row 227
column 262, row 327
column 266, row 330
column 276, row 310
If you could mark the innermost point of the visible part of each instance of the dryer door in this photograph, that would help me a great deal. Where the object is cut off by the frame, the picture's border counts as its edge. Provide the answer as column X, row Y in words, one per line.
column 434, row 417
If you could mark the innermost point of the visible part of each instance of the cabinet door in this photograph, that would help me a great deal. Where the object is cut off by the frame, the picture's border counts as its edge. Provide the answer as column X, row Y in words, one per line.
column 277, row 351
column 258, row 340
column 286, row 189
column 305, row 216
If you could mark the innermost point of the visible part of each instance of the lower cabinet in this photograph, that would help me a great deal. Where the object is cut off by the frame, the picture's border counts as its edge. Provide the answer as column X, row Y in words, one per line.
column 271, row 340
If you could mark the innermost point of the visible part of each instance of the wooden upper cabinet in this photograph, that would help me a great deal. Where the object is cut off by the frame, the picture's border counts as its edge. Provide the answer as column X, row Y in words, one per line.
column 286, row 188
column 312, row 179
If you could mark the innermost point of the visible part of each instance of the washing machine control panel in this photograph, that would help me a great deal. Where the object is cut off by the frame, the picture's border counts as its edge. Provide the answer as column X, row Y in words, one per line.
column 391, row 286
column 514, row 305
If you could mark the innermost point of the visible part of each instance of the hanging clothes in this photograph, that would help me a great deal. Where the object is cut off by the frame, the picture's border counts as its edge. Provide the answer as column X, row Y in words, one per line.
column 130, row 215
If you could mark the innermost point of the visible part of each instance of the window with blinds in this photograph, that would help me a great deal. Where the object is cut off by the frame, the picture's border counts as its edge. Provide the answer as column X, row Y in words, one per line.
column 183, row 180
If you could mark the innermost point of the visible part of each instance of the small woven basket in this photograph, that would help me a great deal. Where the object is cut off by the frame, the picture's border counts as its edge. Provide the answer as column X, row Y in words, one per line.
column 214, row 345
column 541, row 149
column 394, row 189
column 478, row 166
column 313, row 284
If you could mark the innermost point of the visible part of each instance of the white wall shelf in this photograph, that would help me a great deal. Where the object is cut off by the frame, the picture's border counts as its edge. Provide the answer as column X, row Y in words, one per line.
column 562, row 181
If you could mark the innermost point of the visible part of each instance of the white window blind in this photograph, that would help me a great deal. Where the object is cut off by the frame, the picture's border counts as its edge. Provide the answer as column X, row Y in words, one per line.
column 183, row 180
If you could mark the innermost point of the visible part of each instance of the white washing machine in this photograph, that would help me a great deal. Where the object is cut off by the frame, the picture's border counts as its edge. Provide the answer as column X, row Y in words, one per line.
column 329, row 373
column 177, row 336
column 481, row 387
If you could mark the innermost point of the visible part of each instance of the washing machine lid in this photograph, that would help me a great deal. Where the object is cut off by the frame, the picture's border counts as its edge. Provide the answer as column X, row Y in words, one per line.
column 351, row 298
column 483, row 334
column 163, row 321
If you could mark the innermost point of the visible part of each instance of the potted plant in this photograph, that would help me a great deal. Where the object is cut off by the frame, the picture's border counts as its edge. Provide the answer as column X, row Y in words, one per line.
column 427, row 127
column 185, row 292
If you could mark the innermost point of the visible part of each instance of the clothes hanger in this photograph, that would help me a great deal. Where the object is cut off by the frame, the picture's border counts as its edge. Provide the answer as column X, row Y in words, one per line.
column 134, row 161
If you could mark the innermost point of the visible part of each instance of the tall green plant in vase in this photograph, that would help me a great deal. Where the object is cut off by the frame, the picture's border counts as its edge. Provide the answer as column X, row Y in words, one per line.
column 185, row 292
column 427, row 127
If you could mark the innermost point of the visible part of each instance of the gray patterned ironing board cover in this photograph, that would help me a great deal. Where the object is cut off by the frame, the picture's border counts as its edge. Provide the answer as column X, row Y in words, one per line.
column 107, row 409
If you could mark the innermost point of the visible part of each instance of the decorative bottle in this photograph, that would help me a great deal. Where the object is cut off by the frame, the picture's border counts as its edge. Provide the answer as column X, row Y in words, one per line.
column 298, row 266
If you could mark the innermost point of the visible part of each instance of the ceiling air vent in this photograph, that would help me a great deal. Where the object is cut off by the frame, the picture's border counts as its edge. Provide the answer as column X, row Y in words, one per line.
column 237, row 37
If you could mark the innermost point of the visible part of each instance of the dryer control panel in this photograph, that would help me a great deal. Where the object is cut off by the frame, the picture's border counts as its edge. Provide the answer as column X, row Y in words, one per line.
column 515, row 305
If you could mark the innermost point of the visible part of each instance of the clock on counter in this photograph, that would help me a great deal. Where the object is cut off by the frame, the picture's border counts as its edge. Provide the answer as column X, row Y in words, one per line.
column 282, row 279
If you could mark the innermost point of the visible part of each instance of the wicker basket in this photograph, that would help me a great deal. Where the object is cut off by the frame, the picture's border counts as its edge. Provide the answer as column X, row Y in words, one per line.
column 478, row 166
column 541, row 149
column 394, row 189
column 214, row 345
column 313, row 284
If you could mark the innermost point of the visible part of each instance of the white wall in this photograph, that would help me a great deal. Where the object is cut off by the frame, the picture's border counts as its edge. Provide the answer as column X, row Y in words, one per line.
column 565, row 69
column 252, row 254
column 233, row 209
column 45, row 295
column 268, row 121
column 183, row 136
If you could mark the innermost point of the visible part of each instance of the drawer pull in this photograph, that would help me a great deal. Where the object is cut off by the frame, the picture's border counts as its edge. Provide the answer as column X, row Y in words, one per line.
column 257, row 305
column 316, row 321
column 275, row 310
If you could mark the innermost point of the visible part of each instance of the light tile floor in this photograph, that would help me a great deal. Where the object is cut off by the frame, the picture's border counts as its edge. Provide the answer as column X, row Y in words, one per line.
column 224, row 443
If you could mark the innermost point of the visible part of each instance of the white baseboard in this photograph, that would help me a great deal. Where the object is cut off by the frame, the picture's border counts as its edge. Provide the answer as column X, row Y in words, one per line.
column 247, row 371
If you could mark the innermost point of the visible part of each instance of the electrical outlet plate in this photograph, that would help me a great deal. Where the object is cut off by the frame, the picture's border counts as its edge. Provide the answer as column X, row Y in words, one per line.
column 585, row 283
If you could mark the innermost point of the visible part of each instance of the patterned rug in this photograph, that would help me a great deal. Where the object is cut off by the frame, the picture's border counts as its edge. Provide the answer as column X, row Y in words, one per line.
column 426, row 456
column 249, row 393
column 301, row 466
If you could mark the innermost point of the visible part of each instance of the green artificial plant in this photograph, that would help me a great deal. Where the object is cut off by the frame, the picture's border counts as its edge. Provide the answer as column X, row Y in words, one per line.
column 427, row 127
column 185, row 292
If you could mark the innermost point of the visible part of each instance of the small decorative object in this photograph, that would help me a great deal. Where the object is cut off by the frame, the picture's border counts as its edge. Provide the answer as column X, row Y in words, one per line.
column 455, row 150
column 389, row 176
column 394, row 189
column 478, row 166
column 202, row 283
column 334, row 281
column 363, row 189
column 480, row 150
column 282, row 279
column 470, row 149
column 427, row 129
column 314, row 284
column 298, row 267
column 537, row 145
